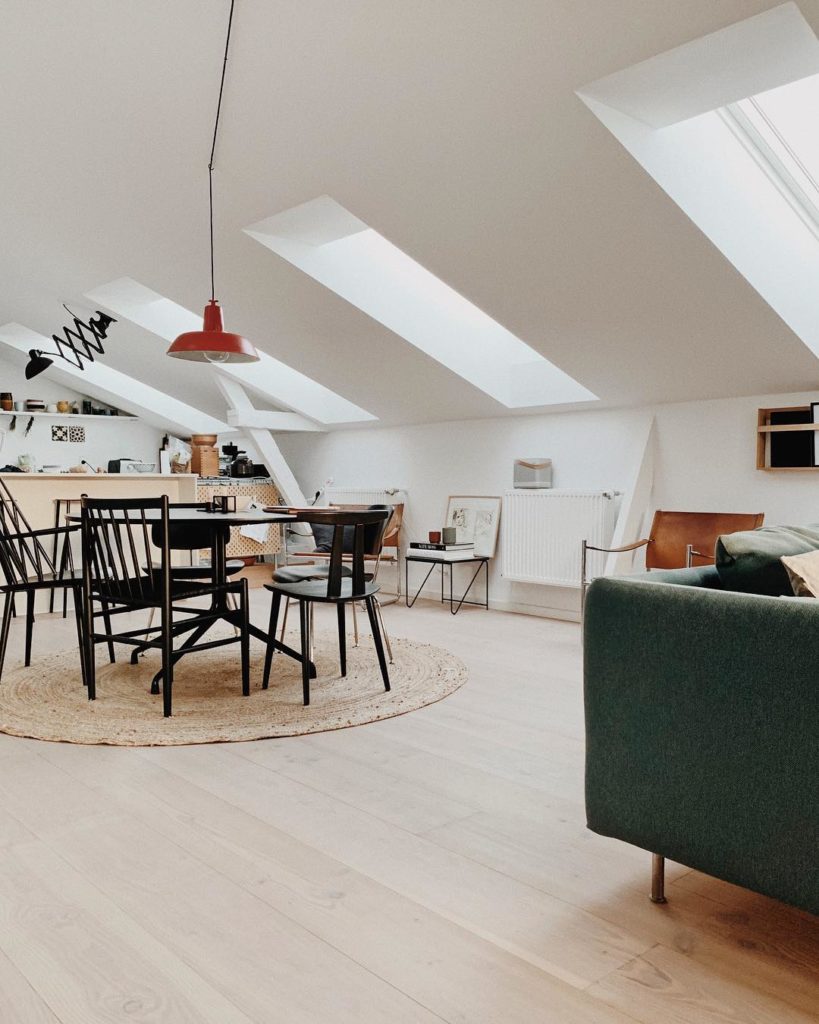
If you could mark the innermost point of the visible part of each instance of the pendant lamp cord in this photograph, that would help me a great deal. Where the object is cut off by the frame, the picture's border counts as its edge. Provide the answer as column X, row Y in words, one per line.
column 213, row 148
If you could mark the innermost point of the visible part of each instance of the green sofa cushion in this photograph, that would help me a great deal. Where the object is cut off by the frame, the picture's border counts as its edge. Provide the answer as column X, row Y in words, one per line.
column 749, row 561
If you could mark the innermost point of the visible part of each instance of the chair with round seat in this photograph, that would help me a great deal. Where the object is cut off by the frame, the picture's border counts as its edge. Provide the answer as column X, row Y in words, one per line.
column 334, row 586
column 187, row 537
column 373, row 544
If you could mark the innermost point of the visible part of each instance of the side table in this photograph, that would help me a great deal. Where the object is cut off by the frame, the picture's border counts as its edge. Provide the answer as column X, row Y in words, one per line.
column 433, row 558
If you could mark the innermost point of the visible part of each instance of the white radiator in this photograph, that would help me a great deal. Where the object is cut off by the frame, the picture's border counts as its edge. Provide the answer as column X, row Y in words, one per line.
column 542, row 532
column 365, row 496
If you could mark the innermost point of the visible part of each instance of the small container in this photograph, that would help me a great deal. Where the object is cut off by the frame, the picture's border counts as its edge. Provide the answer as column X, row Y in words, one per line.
column 6, row 401
column 242, row 465
column 435, row 536
column 224, row 502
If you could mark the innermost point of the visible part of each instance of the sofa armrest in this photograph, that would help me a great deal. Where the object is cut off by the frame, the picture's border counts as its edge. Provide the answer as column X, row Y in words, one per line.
column 702, row 718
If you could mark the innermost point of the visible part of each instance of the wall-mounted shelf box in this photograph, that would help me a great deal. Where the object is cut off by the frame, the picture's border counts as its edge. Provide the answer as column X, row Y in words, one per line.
column 783, row 443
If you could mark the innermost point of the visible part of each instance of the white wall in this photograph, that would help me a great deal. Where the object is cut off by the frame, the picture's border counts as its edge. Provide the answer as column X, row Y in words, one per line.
column 106, row 437
column 705, row 461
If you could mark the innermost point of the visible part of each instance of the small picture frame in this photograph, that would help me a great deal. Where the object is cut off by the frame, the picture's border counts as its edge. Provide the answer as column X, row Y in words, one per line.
column 476, row 518
column 224, row 502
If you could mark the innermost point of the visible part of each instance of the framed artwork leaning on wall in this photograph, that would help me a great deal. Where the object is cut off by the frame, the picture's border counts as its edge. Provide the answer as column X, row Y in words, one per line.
column 476, row 517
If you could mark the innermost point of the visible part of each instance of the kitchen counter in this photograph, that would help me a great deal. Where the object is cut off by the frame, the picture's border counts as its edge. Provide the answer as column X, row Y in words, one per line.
column 98, row 476
column 35, row 492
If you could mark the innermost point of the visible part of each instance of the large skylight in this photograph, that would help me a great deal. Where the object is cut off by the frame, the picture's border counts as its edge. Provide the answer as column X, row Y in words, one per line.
column 339, row 250
column 269, row 377
column 727, row 125
column 781, row 126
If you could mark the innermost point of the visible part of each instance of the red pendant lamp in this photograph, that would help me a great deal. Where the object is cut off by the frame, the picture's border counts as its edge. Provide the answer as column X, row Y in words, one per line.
column 213, row 344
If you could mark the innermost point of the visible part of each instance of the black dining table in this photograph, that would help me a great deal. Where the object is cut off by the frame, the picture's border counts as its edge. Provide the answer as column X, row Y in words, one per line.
column 220, row 608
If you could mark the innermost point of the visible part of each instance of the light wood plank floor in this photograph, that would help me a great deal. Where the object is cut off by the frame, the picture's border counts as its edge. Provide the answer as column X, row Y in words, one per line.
column 434, row 867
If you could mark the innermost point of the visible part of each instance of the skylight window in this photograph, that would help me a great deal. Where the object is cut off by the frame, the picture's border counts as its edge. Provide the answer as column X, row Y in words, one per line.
column 726, row 125
column 780, row 126
column 269, row 377
column 334, row 247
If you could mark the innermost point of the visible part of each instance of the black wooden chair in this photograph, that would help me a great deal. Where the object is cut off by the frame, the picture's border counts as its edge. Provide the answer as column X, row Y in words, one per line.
column 127, row 566
column 323, row 534
column 336, row 588
column 28, row 568
column 192, row 537
column 61, row 554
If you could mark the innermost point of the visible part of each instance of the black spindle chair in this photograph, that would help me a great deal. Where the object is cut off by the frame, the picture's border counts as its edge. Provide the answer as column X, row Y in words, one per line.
column 341, row 586
column 191, row 537
column 126, row 547
column 28, row 568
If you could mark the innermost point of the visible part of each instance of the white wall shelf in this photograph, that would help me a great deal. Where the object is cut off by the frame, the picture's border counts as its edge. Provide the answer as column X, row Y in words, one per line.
column 66, row 415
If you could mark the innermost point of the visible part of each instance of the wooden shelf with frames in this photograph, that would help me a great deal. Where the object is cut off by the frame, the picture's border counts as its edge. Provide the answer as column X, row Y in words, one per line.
column 795, row 434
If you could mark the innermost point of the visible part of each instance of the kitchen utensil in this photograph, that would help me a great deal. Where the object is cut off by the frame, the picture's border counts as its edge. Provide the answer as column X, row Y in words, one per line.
column 130, row 466
column 29, row 425
column 242, row 465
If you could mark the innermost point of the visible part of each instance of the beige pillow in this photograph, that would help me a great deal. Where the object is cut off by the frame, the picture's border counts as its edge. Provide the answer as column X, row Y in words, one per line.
column 803, row 571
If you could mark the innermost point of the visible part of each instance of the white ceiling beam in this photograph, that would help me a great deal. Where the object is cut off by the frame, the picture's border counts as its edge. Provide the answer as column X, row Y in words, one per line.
column 234, row 394
column 115, row 388
column 241, row 412
column 242, row 415
column 265, row 420
column 271, row 455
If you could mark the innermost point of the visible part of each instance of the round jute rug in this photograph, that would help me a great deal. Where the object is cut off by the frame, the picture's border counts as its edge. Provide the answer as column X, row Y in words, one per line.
column 47, row 701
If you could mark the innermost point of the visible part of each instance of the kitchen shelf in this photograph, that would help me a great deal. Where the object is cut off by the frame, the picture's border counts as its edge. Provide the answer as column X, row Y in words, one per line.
column 66, row 415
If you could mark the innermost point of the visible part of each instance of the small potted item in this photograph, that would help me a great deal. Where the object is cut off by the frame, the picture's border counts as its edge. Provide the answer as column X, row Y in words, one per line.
column 242, row 465
column 6, row 401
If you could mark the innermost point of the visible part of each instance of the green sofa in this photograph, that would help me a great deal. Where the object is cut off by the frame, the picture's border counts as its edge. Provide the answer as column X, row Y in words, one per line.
column 702, row 725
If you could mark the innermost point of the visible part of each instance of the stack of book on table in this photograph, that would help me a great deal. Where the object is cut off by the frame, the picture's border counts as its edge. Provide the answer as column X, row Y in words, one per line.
column 445, row 552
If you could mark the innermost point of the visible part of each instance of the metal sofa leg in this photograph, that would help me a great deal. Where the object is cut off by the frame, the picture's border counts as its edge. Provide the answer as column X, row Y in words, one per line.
column 658, row 878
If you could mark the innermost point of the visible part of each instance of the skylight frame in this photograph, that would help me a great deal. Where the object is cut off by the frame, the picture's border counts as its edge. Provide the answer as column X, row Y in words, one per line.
column 770, row 150
column 346, row 255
